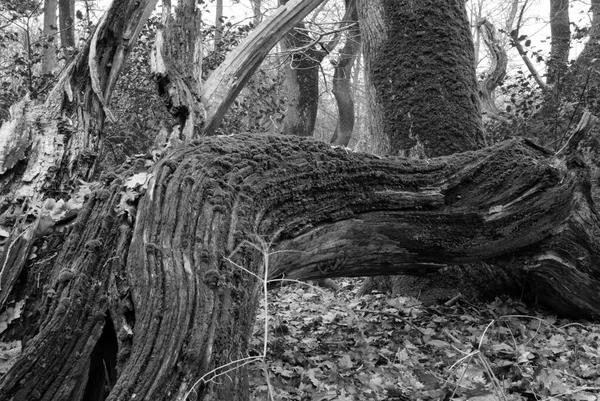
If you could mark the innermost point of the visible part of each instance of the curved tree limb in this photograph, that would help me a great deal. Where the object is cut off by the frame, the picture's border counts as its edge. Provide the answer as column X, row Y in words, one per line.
column 496, row 73
column 327, row 212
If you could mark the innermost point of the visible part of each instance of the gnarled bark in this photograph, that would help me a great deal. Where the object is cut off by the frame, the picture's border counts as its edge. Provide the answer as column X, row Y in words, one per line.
column 166, row 289
column 496, row 72
column 65, row 131
column 177, row 65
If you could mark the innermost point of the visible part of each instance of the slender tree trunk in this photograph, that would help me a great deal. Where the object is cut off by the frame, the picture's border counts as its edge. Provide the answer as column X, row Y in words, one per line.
column 560, row 31
column 66, row 23
column 218, row 22
column 301, row 81
column 342, row 89
column 426, row 103
column 257, row 11
column 49, row 58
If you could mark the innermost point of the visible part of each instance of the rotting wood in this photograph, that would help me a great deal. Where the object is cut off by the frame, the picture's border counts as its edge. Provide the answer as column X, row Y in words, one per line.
column 179, row 307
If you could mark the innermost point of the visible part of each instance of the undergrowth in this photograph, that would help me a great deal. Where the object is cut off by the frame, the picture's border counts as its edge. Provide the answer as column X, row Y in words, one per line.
column 323, row 345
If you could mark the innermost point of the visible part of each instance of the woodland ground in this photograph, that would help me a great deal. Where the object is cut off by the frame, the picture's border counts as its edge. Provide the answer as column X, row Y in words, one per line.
column 324, row 345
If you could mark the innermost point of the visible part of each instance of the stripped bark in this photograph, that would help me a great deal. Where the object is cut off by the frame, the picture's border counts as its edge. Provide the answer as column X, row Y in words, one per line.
column 177, row 67
column 64, row 133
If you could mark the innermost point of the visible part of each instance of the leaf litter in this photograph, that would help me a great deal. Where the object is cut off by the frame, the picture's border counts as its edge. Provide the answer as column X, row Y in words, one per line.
column 324, row 345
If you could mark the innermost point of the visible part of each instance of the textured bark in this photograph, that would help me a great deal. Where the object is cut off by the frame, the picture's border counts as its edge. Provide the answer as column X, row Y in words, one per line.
column 422, row 88
column 177, row 65
column 64, row 132
column 341, row 88
column 560, row 31
column 159, row 303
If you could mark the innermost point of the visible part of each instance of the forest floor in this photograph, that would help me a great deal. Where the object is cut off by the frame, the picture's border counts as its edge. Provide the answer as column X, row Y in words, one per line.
column 324, row 345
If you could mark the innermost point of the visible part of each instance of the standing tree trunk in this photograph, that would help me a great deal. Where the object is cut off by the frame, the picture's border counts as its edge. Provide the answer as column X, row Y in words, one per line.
column 66, row 24
column 256, row 11
column 49, row 59
column 218, row 22
column 342, row 90
column 177, row 65
column 301, row 81
column 422, row 89
column 560, row 31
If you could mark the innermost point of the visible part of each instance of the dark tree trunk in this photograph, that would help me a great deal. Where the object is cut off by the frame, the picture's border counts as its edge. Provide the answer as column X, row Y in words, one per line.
column 66, row 24
column 303, row 58
column 422, row 88
column 177, row 65
column 167, row 292
column 560, row 31
column 342, row 89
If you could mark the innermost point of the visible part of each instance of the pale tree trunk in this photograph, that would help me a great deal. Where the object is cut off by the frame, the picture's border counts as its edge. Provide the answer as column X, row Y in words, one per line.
column 66, row 24
column 560, row 31
column 342, row 89
column 496, row 72
column 48, row 145
column 426, row 104
column 218, row 22
column 49, row 58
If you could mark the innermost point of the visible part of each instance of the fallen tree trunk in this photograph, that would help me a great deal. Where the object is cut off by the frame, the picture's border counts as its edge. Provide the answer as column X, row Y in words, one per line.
column 158, row 298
